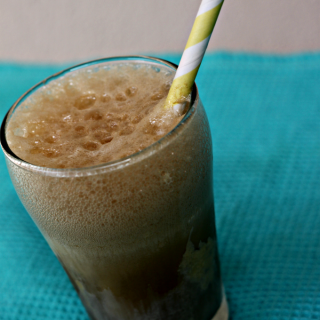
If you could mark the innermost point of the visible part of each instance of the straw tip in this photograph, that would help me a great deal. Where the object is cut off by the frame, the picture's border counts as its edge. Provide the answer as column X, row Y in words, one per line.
column 179, row 108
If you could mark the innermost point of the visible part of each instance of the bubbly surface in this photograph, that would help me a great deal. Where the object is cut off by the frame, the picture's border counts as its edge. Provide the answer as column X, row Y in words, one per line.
column 138, row 241
column 93, row 116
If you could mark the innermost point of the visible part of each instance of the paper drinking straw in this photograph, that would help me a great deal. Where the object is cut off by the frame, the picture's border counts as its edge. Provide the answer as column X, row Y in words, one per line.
column 193, row 53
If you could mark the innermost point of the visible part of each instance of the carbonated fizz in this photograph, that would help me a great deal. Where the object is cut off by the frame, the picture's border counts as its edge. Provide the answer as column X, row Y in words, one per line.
column 121, row 189
column 93, row 117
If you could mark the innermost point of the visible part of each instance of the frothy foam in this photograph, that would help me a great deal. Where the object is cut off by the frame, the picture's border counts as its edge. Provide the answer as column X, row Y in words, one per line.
column 138, row 241
column 93, row 116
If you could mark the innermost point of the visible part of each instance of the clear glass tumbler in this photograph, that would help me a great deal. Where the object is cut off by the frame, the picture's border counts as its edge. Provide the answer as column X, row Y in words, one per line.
column 136, row 236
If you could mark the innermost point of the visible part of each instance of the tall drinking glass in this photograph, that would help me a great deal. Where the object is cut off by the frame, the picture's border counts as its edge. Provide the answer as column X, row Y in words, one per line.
column 136, row 236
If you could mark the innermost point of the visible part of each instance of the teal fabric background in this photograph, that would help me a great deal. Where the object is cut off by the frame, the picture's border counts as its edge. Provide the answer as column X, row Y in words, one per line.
column 264, row 113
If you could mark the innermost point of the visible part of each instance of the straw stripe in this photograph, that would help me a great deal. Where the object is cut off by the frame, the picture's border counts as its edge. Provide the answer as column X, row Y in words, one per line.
column 203, row 26
column 193, row 53
column 191, row 58
column 208, row 5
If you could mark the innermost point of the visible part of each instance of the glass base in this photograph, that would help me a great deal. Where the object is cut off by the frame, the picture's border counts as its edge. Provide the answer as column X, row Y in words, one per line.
column 223, row 311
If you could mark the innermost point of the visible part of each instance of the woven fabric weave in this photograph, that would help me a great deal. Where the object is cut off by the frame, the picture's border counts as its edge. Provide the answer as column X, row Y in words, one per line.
column 264, row 114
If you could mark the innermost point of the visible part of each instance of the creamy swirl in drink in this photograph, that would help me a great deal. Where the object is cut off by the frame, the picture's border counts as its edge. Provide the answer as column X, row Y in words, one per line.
column 136, row 236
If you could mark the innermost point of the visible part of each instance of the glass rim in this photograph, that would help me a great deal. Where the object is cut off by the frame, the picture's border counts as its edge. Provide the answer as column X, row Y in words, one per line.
column 107, row 166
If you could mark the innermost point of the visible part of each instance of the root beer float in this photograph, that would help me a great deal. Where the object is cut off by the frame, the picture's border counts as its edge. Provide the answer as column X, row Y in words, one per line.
column 121, row 188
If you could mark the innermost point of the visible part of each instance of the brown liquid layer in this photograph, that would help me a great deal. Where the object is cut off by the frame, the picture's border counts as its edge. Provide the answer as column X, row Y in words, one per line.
column 93, row 117
column 138, row 240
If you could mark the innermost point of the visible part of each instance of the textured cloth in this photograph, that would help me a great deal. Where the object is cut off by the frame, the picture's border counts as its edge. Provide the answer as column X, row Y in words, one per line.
column 264, row 113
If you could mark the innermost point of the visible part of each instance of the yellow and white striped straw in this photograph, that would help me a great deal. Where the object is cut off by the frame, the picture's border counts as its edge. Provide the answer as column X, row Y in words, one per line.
column 193, row 53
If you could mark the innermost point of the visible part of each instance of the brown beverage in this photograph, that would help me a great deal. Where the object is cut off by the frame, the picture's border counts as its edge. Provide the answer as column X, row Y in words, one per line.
column 121, row 189
column 93, row 116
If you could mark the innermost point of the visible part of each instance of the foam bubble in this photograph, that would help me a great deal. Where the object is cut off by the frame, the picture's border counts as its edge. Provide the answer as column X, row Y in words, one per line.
column 92, row 116
column 85, row 101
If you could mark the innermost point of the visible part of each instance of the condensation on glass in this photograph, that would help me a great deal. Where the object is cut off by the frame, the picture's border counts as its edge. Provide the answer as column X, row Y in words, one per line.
column 136, row 236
